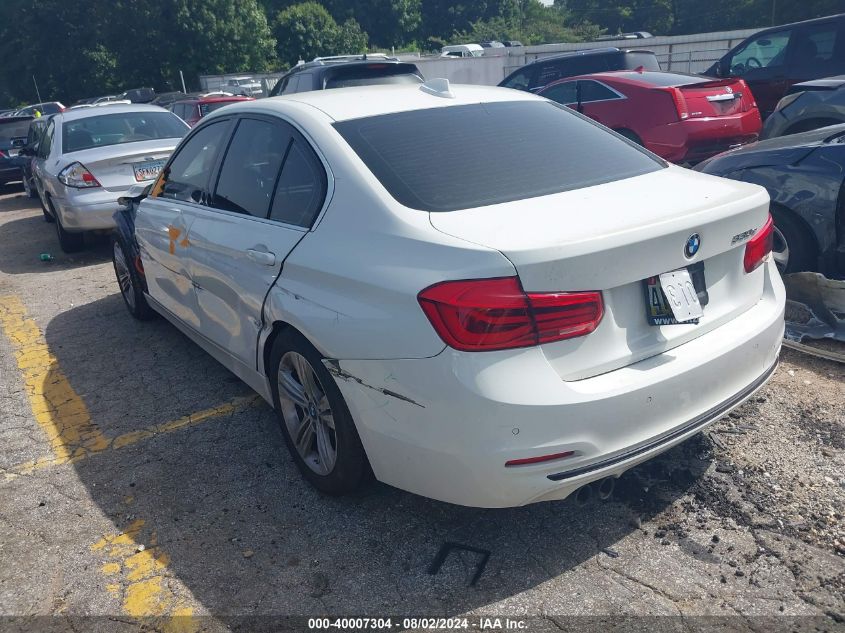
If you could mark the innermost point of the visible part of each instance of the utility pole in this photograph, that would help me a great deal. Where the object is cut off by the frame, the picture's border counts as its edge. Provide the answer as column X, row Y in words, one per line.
column 37, row 93
column 182, row 77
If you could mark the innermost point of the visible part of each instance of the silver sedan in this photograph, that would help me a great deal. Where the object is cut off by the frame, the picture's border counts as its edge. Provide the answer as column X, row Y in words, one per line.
column 88, row 158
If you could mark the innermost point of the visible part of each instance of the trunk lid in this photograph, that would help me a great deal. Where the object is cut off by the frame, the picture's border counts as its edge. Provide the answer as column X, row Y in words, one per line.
column 112, row 165
column 612, row 237
column 725, row 97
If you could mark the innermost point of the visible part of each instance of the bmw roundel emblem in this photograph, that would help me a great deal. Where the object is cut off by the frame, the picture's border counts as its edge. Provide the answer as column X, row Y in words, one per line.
column 692, row 245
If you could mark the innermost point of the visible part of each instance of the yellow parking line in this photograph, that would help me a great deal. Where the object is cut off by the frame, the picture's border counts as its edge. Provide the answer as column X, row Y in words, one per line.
column 57, row 408
column 128, row 439
column 137, row 568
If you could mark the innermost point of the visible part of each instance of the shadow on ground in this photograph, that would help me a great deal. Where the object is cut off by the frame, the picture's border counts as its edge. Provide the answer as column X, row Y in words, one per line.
column 23, row 240
column 246, row 535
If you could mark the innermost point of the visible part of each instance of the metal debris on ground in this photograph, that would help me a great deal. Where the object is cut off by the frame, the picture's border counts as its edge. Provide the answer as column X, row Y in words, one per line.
column 815, row 310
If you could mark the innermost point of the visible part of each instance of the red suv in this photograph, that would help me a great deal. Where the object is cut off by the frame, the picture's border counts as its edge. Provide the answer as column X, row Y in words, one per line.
column 682, row 118
column 192, row 110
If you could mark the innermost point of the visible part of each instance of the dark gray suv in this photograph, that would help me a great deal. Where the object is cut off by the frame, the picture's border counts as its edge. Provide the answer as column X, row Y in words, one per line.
column 538, row 74
column 347, row 70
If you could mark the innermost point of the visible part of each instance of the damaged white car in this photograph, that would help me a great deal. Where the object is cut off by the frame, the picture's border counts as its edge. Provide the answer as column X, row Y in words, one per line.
column 481, row 331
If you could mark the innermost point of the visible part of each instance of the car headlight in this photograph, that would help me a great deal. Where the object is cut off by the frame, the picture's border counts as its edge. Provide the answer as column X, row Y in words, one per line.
column 787, row 100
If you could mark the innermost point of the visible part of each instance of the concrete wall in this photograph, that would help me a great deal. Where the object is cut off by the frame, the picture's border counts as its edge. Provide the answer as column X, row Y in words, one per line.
column 685, row 53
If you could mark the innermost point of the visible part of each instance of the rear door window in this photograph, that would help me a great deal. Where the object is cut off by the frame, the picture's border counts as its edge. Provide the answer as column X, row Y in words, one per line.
column 550, row 149
column 251, row 167
column 565, row 93
column 813, row 49
column 302, row 186
column 595, row 91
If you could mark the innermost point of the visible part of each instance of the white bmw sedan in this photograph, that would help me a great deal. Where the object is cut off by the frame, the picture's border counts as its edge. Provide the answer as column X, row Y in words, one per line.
column 476, row 294
column 88, row 158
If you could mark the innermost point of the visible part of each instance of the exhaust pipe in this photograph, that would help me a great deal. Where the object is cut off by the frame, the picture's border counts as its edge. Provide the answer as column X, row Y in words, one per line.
column 606, row 488
column 584, row 494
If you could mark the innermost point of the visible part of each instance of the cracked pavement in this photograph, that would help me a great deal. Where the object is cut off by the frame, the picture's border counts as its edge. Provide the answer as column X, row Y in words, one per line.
column 741, row 526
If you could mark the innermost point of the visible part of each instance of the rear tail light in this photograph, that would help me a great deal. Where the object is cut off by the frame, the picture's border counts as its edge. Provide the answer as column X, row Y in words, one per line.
column 495, row 314
column 680, row 102
column 77, row 175
column 759, row 246
column 747, row 95
column 3, row 154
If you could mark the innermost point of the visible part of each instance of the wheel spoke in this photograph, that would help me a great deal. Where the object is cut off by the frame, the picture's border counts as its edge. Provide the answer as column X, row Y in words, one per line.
column 325, row 449
column 292, row 389
column 305, row 436
column 306, row 377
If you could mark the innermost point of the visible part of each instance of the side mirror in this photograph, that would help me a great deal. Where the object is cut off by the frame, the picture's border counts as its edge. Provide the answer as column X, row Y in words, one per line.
column 26, row 151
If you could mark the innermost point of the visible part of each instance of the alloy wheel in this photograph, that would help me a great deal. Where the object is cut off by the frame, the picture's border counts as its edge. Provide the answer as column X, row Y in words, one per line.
column 307, row 413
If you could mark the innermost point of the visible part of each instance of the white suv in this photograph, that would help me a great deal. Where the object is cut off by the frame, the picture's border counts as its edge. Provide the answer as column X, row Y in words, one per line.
column 480, row 332
column 244, row 86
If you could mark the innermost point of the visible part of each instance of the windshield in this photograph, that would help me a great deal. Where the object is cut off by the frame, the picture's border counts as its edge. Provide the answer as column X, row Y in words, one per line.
column 450, row 158
column 116, row 129
column 13, row 129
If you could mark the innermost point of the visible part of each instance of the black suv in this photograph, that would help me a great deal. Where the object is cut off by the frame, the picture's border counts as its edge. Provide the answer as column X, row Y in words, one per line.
column 344, row 71
column 536, row 75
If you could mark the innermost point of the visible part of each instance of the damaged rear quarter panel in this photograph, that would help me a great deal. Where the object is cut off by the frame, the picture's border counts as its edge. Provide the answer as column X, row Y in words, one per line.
column 351, row 285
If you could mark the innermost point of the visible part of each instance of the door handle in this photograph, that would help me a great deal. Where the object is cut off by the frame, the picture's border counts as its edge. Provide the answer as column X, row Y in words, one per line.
column 264, row 258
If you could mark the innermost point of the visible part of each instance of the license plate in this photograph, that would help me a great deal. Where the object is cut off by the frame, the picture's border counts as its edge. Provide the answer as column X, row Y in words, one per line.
column 147, row 170
column 676, row 297
column 13, row 153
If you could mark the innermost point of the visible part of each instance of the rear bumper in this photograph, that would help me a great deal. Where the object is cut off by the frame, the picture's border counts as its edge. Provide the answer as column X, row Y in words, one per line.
column 89, row 211
column 694, row 140
column 444, row 427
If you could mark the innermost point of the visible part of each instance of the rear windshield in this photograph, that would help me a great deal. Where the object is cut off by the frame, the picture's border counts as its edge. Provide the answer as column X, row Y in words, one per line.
column 372, row 75
column 206, row 108
column 12, row 128
column 459, row 157
column 632, row 61
column 116, row 129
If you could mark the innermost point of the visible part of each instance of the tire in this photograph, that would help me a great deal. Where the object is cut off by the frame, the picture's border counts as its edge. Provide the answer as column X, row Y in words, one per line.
column 28, row 189
column 47, row 217
column 129, row 281
column 348, row 468
column 68, row 242
column 794, row 249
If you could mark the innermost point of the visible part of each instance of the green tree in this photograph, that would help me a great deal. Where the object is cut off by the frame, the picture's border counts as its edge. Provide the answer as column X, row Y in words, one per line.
column 388, row 22
column 307, row 30
column 87, row 49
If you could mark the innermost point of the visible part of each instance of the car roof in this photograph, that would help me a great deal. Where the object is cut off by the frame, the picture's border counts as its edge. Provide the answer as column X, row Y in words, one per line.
column 780, row 27
column 642, row 77
column 365, row 101
column 86, row 113
column 827, row 82
column 589, row 51
column 214, row 99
